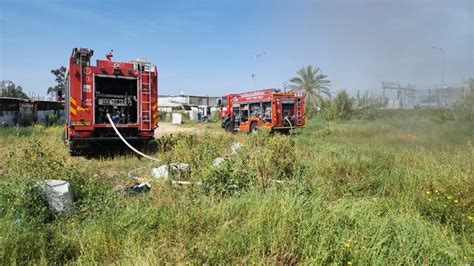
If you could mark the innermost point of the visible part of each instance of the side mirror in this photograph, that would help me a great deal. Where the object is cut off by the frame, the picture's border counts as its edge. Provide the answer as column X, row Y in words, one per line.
column 219, row 102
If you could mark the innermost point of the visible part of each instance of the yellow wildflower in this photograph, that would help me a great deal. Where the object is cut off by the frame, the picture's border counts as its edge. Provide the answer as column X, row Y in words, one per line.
column 347, row 245
column 456, row 201
column 449, row 197
column 349, row 263
column 428, row 192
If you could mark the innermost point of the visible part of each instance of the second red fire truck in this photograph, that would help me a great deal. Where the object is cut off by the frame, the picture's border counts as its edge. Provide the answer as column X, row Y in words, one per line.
column 270, row 108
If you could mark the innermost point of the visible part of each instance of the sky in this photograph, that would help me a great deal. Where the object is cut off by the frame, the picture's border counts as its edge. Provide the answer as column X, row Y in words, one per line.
column 210, row 47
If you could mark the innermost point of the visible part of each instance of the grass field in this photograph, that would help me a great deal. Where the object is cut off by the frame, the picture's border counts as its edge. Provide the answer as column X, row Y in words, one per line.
column 396, row 191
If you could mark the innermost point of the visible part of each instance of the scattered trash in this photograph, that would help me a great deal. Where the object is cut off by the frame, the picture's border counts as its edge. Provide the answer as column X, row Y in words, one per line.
column 185, row 183
column 160, row 172
column 218, row 161
column 235, row 146
column 139, row 188
column 164, row 171
column 279, row 181
column 58, row 195
column 131, row 173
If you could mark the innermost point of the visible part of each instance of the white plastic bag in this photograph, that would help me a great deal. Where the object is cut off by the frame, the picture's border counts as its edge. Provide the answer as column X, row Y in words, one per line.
column 164, row 170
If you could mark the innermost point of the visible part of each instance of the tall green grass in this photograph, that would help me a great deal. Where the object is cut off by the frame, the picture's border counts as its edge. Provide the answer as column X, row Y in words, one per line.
column 392, row 191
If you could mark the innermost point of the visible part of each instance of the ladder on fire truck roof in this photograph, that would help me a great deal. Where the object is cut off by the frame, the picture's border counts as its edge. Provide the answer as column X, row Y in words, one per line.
column 146, row 79
column 259, row 92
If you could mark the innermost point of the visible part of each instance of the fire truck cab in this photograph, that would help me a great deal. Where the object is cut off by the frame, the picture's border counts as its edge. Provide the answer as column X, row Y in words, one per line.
column 127, row 91
column 270, row 108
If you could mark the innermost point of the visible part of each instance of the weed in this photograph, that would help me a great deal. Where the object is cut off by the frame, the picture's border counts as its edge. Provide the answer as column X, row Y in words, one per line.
column 396, row 190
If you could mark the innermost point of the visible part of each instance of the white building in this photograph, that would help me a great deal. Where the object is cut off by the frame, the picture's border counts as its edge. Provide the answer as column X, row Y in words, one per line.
column 190, row 104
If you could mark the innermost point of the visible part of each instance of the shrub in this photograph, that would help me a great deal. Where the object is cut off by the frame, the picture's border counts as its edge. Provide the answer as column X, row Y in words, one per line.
column 327, row 110
column 164, row 117
column 342, row 105
column 52, row 119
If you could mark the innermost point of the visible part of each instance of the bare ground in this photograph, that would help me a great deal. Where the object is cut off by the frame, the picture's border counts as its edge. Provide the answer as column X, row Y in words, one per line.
column 169, row 128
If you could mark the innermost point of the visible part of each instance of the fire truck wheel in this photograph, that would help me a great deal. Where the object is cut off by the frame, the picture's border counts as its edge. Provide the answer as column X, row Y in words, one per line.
column 254, row 127
column 72, row 149
column 228, row 127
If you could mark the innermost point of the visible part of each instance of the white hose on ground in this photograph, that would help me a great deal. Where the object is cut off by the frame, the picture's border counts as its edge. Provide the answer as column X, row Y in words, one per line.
column 291, row 126
column 134, row 170
column 128, row 144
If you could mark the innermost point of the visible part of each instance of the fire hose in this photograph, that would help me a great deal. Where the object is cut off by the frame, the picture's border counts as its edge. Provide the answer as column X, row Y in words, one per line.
column 126, row 143
column 154, row 159
column 144, row 155
column 291, row 126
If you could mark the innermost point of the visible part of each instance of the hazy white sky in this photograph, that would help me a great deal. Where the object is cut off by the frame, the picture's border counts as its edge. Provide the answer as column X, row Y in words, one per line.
column 208, row 47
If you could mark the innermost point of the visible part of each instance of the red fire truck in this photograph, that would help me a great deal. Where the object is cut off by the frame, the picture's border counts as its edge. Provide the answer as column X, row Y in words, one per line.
column 268, row 108
column 127, row 91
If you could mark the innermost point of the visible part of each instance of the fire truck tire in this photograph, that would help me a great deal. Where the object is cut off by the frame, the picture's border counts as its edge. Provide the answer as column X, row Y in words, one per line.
column 72, row 148
column 254, row 127
column 228, row 127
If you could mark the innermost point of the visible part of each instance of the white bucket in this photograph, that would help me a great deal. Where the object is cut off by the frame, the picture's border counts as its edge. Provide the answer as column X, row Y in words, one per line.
column 58, row 195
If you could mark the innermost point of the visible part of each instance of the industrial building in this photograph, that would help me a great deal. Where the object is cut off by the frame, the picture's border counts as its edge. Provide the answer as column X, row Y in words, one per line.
column 20, row 111
column 397, row 96
column 190, row 104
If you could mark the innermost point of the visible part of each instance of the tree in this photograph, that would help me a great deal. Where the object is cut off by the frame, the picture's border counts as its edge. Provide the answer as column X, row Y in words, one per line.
column 342, row 105
column 313, row 83
column 9, row 89
column 58, row 89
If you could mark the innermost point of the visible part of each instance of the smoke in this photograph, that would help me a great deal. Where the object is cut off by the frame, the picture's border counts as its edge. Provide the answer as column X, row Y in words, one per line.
column 361, row 43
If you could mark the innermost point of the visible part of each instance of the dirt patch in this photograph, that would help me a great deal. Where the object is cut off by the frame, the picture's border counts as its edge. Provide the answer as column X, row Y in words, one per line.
column 168, row 128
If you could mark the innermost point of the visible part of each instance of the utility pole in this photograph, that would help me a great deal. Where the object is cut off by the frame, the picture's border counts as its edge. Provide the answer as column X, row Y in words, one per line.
column 285, row 85
column 254, row 75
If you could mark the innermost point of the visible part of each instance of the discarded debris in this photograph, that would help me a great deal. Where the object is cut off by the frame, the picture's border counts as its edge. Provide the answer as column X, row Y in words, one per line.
column 279, row 181
column 235, row 146
column 57, row 193
column 186, row 183
column 131, row 173
column 139, row 188
column 218, row 161
column 164, row 171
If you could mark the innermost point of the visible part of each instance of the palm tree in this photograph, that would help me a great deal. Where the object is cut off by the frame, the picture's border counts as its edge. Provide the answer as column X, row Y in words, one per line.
column 313, row 83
